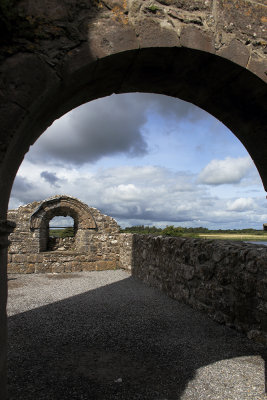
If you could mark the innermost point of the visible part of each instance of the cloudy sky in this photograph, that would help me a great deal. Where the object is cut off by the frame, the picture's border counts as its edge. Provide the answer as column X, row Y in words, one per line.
column 146, row 159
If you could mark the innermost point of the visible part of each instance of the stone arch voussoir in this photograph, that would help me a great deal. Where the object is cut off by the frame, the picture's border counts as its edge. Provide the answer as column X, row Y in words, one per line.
column 63, row 206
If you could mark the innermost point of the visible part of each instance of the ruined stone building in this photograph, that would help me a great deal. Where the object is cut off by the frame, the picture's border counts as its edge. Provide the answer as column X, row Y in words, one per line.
column 57, row 55
column 97, row 243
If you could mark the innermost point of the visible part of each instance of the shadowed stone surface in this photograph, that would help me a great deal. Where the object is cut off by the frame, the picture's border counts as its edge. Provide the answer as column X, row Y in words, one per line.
column 227, row 280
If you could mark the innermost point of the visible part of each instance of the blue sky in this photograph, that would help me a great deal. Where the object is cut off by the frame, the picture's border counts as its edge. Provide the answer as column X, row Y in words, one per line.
column 146, row 159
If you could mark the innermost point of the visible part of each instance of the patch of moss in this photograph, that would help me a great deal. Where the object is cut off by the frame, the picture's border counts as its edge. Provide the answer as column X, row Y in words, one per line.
column 153, row 8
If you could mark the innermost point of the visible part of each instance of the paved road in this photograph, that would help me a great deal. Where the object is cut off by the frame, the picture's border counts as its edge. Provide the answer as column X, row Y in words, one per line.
column 106, row 336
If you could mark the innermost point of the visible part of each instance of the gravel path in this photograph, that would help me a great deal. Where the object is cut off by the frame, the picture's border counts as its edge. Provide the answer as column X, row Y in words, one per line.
column 104, row 335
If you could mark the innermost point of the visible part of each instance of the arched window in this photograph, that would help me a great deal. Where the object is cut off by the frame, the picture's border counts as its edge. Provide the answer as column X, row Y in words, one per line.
column 42, row 221
column 60, row 213
column 61, row 234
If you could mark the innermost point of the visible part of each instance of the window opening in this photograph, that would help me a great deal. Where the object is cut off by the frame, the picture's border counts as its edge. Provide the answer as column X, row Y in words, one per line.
column 61, row 234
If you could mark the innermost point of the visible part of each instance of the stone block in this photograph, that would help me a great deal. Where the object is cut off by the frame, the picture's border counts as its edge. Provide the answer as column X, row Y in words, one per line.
column 252, row 266
column 43, row 268
column 258, row 66
column 204, row 295
column 88, row 266
column 19, row 258
column 34, row 258
column 68, row 266
column 13, row 268
column 57, row 267
column 76, row 266
column 21, row 268
column 195, row 38
column 81, row 258
column 245, row 283
column 188, row 272
column 29, row 268
column 151, row 33
column 205, row 271
column 236, row 52
column 105, row 265
column 109, row 36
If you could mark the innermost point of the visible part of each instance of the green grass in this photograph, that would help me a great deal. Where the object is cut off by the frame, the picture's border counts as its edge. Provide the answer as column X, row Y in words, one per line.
column 200, row 232
column 62, row 232
column 235, row 236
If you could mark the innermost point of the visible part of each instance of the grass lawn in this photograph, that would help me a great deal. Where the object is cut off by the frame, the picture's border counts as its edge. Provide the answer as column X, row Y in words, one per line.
column 234, row 236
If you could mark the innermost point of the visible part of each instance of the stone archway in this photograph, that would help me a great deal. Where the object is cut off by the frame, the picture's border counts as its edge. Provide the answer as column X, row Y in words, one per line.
column 60, row 206
column 58, row 55
column 98, row 243
column 209, row 53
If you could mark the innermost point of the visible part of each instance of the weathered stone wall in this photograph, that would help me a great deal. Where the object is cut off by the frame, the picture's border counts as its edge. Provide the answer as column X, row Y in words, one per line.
column 58, row 243
column 97, row 244
column 126, row 250
column 226, row 280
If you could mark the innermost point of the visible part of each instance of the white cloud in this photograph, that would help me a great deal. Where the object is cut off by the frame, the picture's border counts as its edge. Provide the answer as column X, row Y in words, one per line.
column 227, row 171
column 109, row 126
column 105, row 132
column 140, row 195
column 241, row 204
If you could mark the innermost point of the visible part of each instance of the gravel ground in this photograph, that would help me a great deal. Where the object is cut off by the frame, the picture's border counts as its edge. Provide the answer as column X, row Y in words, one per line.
column 104, row 335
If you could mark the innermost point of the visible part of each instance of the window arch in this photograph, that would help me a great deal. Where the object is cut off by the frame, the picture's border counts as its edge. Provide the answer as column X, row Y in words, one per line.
column 61, row 234
column 60, row 206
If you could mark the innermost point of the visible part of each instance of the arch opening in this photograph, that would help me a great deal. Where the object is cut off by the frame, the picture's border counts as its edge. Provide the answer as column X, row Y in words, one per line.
column 231, row 93
column 61, row 233
column 92, row 134
column 49, row 242
column 47, row 217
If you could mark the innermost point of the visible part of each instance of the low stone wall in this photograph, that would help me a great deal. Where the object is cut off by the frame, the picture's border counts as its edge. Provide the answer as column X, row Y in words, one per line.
column 226, row 280
column 126, row 248
column 102, row 257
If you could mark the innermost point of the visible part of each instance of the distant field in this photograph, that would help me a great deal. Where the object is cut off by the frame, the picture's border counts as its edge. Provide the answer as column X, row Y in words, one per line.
column 234, row 236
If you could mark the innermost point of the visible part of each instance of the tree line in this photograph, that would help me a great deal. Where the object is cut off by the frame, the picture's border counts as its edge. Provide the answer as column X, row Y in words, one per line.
column 171, row 230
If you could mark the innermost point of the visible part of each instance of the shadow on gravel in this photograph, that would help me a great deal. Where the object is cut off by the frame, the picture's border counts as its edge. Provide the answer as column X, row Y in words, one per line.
column 120, row 341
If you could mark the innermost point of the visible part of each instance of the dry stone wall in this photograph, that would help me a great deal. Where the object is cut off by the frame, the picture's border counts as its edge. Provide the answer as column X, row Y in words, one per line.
column 126, row 249
column 226, row 280
column 97, row 245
